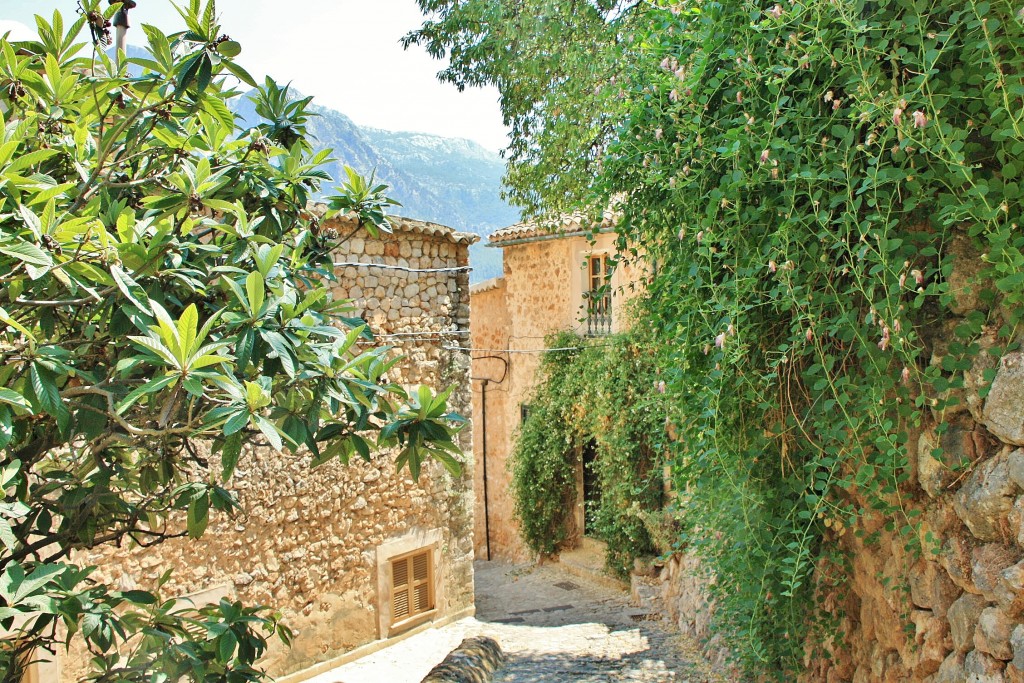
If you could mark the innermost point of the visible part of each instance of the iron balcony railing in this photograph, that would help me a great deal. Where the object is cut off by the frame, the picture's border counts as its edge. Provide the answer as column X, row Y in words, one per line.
column 599, row 314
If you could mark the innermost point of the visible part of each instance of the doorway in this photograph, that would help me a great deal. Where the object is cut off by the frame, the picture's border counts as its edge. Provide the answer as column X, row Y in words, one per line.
column 591, row 489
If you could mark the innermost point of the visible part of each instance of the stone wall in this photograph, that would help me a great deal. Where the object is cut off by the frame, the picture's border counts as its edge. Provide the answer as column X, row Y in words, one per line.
column 540, row 293
column 950, row 609
column 307, row 540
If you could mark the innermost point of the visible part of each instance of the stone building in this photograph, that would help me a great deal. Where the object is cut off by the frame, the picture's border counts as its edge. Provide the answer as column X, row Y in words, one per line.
column 353, row 555
column 555, row 278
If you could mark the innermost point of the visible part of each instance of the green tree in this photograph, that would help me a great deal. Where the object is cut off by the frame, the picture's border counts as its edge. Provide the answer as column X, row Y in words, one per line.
column 163, row 286
column 559, row 66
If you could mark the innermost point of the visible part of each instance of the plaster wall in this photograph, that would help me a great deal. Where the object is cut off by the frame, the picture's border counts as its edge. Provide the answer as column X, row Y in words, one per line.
column 540, row 293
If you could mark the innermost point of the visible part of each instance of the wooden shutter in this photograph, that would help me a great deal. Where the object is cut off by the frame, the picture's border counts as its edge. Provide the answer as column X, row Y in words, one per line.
column 412, row 588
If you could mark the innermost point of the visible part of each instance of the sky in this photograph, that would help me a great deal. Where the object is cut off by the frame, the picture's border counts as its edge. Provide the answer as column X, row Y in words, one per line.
column 343, row 52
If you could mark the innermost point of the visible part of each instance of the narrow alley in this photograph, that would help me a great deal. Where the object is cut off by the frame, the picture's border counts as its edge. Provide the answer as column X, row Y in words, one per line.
column 553, row 627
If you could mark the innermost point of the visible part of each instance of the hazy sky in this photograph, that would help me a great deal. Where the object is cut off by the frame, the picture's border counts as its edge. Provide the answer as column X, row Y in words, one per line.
column 344, row 52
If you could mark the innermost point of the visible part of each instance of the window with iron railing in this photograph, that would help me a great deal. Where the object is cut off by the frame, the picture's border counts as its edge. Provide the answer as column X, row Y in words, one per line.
column 598, row 297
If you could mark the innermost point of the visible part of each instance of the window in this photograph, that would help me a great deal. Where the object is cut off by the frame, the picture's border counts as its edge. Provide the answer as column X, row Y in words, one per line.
column 412, row 586
column 524, row 412
column 598, row 296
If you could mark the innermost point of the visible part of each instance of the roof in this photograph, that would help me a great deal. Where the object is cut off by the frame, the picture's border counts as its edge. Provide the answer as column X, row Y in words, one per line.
column 563, row 225
column 407, row 225
column 487, row 285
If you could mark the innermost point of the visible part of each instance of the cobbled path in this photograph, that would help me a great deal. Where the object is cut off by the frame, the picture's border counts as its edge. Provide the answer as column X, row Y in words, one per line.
column 554, row 627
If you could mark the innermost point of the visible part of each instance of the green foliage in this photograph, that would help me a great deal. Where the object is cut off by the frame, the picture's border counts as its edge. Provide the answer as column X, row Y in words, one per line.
column 606, row 392
column 162, row 286
column 805, row 176
column 558, row 65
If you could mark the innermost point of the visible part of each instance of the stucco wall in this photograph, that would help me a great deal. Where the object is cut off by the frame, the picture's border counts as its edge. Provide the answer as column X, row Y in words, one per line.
column 540, row 293
column 490, row 326
column 306, row 541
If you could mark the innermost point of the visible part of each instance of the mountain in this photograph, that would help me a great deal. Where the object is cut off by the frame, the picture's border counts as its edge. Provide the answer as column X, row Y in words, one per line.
column 451, row 181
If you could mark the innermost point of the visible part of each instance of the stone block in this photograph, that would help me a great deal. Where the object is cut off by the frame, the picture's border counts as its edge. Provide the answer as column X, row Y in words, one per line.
column 965, row 281
column 940, row 458
column 974, row 378
column 993, row 633
column 1010, row 590
column 1015, row 463
column 930, row 635
column 952, row 669
column 987, row 564
column 983, row 668
column 1017, row 643
column 963, row 618
column 1003, row 411
column 931, row 587
column 1016, row 521
column 957, row 561
column 985, row 499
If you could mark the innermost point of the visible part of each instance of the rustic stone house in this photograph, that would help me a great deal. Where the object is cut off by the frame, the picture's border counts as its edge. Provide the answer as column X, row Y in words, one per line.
column 556, row 277
column 354, row 555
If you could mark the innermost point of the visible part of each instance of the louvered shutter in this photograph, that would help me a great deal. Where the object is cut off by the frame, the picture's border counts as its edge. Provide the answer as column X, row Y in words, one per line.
column 412, row 590
column 400, row 604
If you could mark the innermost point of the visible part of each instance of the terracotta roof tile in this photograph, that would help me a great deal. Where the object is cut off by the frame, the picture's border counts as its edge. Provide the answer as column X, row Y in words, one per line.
column 408, row 225
column 487, row 285
column 564, row 224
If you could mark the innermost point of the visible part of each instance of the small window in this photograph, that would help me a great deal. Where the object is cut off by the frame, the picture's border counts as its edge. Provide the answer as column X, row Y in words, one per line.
column 412, row 586
column 524, row 412
column 598, row 296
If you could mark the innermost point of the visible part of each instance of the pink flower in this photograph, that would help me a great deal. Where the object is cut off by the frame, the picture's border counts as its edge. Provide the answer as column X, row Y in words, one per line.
column 810, row 334
column 659, row 134
column 739, row 97
column 905, row 375
column 674, row 95
column 772, row 266
column 884, row 343
column 720, row 341
column 920, row 120
column 897, row 116
column 918, row 276
column 764, row 156
column 776, row 11
column 700, row 237
column 666, row 64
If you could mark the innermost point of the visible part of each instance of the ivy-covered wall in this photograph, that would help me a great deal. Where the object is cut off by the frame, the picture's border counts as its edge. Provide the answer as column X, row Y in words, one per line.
column 604, row 392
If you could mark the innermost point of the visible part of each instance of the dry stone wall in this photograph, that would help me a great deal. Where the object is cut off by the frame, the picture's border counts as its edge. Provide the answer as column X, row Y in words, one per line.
column 952, row 609
column 306, row 539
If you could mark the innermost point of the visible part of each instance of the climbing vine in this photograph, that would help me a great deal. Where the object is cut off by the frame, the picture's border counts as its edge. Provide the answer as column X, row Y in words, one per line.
column 819, row 183
column 829, row 195
column 606, row 391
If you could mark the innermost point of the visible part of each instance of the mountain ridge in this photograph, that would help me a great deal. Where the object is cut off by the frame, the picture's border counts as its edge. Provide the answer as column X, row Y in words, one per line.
column 452, row 181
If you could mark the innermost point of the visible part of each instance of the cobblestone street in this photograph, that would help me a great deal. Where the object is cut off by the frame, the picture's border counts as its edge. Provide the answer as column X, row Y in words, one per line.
column 554, row 627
